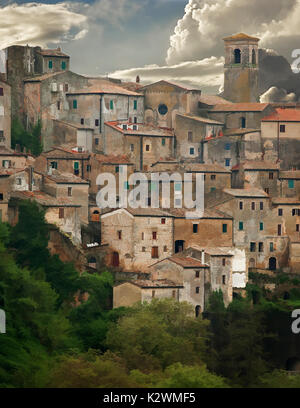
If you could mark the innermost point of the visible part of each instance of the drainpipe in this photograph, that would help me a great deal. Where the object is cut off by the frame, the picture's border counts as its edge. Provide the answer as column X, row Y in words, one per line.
column 141, row 153
column 278, row 142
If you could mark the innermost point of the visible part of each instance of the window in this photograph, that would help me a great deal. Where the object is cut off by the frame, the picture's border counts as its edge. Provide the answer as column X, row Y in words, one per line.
column 154, row 253
column 58, row 105
column 117, row 169
column 50, row 64
column 271, row 176
column 163, row 142
column 143, row 249
column 76, row 165
column 279, row 228
column 6, row 164
column 212, row 189
column 241, row 205
column 261, row 226
column 192, row 151
column 143, row 236
column 82, row 121
column 120, row 235
column 237, row 56
column 291, row 183
column 153, row 293
column 253, row 57
column 111, row 105
column 163, row 109
column 19, row 181
column 69, row 191
column 132, row 148
column 280, row 212
column 1, row 92
column 227, row 162
column 227, row 146
column 224, row 228
column 261, row 206
column 126, row 185
column 165, row 248
column 88, row 168
column 224, row 279
column 253, row 206
column 66, row 87
column 190, row 136
column 134, row 127
column 163, row 220
column 96, row 122
column 195, row 228
column 2, row 138
column 282, row 128
column 124, row 127
column 53, row 165
column 63, row 65
column 96, row 141
column 61, row 213
column 224, row 262
column 295, row 211
column 1, row 196
column 134, row 121
column 271, row 247
column 213, row 177
column 178, row 186
column 147, row 148
column 243, row 122
column 297, row 227
column 241, row 226
column 252, row 246
column 261, row 247
column 197, row 275
column 74, row 104
column 135, row 104
column 197, row 290
column 154, row 236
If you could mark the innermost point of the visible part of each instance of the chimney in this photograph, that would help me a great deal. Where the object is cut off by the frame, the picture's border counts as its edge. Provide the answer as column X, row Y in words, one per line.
column 203, row 257
column 138, row 80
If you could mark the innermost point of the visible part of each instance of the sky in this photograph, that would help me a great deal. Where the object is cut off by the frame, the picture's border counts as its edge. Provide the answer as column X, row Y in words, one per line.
column 179, row 40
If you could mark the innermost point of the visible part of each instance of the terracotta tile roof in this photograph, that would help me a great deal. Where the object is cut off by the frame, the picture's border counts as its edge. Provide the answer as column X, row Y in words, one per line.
column 239, row 131
column 208, row 213
column 64, row 178
column 257, row 165
column 283, row 115
column 39, row 78
column 65, row 151
column 285, row 200
column 111, row 159
column 44, row 199
column 212, row 100
column 214, row 251
column 100, row 86
column 164, row 82
column 200, row 119
column 240, row 107
column 187, row 261
column 240, row 37
column 143, row 130
column 9, row 172
column 73, row 124
column 146, row 212
column 290, row 175
column 204, row 168
column 152, row 284
column 53, row 53
column 246, row 192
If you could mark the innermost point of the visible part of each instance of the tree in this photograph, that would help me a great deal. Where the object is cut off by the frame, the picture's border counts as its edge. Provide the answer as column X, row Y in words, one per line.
column 31, row 140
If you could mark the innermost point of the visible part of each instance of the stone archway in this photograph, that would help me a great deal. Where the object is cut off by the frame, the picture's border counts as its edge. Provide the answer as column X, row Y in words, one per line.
column 272, row 264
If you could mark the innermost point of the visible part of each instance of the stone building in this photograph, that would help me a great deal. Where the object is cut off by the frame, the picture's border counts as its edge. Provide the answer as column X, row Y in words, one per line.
column 137, row 237
column 144, row 144
column 104, row 101
column 191, row 133
column 280, row 132
column 289, row 183
column 75, row 134
column 5, row 115
column 45, row 99
column 241, row 69
column 139, row 291
column 259, row 174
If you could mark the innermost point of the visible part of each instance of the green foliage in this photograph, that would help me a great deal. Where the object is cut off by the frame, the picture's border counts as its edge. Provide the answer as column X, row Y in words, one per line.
column 31, row 140
column 156, row 335
column 279, row 379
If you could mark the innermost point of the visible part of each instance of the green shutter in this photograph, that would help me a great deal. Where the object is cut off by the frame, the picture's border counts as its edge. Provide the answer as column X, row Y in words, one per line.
column 261, row 226
column 50, row 64
column 241, row 226
column 74, row 104
column 291, row 184
column 63, row 65
column 135, row 105
column 224, row 228
column 76, row 165
column 111, row 104
column 163, row 142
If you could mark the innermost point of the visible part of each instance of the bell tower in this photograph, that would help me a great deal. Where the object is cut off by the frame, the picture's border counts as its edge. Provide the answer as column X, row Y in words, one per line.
column 241, row 68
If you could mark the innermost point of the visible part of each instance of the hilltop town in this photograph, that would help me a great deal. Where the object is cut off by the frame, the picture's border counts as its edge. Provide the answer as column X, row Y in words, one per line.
column 247, row 152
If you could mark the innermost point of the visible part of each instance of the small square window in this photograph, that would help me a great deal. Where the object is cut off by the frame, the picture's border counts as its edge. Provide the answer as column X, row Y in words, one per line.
column 291, row 184
column 280, row 212
column 227, row 162
column 192, row 151
column 213, row 177
column 163, row 220
column 143, row 249
column 282, row 128
column 197, row 290
column 147, row 148
column 252, row 247
column 227, row 146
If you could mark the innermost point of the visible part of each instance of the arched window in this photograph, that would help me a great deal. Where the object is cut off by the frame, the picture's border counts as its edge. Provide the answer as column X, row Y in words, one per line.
column 253, row 57
column 237, row 56
column 197, row 310
column 272, row 264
